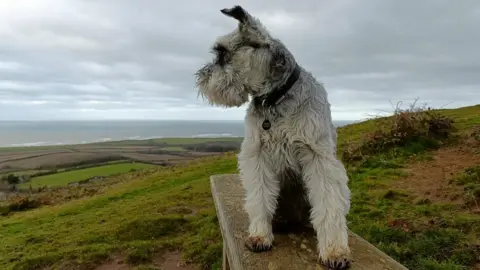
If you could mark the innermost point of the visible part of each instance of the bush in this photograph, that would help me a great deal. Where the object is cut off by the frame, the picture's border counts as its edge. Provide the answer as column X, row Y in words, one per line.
column 217, row 147
column 418, row 127
column 11, row 179
column 93, row 161
column 21, row 203
column 475, row 133
column 37, row 174
column 470, row 180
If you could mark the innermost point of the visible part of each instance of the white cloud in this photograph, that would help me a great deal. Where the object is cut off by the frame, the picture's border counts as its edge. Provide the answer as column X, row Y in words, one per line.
column 118, row 59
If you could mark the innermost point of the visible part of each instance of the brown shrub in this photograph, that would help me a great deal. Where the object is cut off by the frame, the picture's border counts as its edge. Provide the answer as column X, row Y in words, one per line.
column 20, row 203
column 46, row 196
column 475, row 133
column 423, row 126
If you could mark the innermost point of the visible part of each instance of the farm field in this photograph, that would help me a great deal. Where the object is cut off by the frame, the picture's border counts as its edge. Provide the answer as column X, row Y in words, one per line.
column 156, row 151
column 64, row 178
column 175, row 141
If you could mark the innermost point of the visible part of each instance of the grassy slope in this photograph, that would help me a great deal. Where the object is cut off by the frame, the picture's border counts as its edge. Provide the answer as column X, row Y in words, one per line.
column 137, row 217
column 451, row 244
column 142, row 217
column 63, row 178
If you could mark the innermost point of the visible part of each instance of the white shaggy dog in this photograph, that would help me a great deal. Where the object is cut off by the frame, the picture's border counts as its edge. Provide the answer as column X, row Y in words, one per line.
column 288, row 155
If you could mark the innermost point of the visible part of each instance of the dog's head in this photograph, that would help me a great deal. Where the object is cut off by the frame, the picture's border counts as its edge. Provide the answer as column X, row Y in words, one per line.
column 247, row 61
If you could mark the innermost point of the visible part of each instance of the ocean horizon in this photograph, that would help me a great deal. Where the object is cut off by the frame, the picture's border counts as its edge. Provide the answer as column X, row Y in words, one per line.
column 63, row 132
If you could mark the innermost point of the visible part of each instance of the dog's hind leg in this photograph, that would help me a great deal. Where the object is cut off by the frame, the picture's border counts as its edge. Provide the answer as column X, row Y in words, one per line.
column 326, row 181
column 262, row 188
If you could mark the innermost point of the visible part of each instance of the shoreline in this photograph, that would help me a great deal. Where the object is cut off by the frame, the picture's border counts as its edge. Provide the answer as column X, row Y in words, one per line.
column 107, row 141
column 51, row 134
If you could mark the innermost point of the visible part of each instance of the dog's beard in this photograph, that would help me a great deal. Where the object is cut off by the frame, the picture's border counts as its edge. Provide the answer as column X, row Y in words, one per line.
column 221, row 86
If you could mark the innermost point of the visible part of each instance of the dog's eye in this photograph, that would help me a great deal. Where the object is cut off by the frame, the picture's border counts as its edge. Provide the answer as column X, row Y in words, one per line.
column 221, row 52
column 254, row 45
column 220, row 49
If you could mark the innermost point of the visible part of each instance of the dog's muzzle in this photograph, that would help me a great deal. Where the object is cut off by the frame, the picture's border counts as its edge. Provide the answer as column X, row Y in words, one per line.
column 205, row 72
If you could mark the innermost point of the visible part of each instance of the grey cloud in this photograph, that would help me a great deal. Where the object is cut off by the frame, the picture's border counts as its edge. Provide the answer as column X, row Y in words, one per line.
column 111, row 58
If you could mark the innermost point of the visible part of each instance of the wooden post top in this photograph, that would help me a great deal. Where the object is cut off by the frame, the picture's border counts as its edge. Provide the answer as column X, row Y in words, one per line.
column 290, row 251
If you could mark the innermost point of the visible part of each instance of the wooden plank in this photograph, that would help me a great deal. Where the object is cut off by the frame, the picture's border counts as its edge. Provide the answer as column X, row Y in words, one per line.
column 225, row 265
column 290, row 251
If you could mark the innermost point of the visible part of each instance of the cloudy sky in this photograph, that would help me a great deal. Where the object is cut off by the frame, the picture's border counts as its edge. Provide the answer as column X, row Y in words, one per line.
column 117, row 59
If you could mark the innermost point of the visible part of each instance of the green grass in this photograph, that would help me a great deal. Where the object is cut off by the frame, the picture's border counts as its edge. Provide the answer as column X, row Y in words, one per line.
column 138, row 218
column 466, row 117
column 470, row 180
column 438, row 236
column 63, row 178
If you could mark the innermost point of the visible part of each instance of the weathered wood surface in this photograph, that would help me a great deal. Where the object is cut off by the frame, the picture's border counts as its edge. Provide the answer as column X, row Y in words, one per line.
column 291, row 250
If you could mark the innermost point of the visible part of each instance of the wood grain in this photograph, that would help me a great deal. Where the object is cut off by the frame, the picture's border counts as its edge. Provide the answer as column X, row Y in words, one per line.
column 293, row 251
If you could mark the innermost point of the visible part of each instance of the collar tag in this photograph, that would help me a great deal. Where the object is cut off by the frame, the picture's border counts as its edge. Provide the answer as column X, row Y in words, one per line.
column 266, row 125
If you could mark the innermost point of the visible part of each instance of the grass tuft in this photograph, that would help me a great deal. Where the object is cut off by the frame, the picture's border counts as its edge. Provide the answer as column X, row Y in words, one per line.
column 150, row 228
column 140, row 254
column 470, row 180
column 20, row 203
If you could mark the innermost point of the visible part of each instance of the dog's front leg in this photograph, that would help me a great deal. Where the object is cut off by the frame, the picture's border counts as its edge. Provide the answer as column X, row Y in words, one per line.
column 326, row 181
column 262, row 189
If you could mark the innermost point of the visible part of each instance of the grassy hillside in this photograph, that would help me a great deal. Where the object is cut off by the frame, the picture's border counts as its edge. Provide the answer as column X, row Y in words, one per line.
column 171, row 209
column 408, row 199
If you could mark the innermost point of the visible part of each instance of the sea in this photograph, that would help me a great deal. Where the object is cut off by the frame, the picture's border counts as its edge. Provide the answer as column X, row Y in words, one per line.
column 43, row 133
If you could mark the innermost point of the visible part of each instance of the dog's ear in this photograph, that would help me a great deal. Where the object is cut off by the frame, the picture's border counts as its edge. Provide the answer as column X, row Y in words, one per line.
column 250, row 27
column 281, row 63
column 236, row 12
column 278, row 63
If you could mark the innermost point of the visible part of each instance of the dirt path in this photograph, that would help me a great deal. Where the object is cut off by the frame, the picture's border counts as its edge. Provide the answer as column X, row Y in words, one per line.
column 173, row 261
column 166, row 261
column 432, row 179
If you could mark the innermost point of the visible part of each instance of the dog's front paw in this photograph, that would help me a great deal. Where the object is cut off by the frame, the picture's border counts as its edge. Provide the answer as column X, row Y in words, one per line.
column 338, row 263
column 336, row 258
column 258, row 244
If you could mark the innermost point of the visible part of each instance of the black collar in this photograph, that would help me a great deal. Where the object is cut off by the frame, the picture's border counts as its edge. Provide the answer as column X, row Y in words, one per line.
column 274, row 97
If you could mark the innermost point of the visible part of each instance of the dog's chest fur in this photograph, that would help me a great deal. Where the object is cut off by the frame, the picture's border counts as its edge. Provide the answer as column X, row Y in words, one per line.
column 293, row 208
column 280, row 124
column 277, row 140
